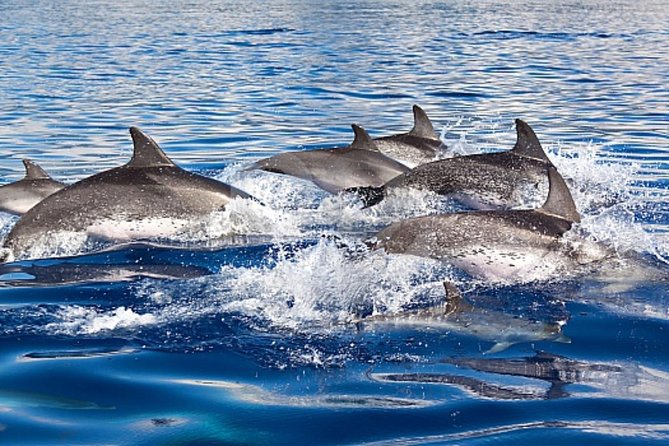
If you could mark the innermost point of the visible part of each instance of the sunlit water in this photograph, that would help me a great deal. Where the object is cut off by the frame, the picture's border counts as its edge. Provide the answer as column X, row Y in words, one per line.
column 253, row 330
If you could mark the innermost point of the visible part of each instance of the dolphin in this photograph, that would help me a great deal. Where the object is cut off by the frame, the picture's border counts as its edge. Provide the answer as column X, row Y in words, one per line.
column 18, row 197
column 623, row 380
column 501, row 180
column 67, row 273
column 141, row 199
column 418, row 146
column 593, row 379
column 504, row 246
column 360, row 164
column 457, row 315
column 476, row 386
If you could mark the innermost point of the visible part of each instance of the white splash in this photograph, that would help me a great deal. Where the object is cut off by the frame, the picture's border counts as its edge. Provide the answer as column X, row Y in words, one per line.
column 77, row 320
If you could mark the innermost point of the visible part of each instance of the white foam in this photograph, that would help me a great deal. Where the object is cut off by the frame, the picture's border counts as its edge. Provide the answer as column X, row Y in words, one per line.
column 313, row 288
column 77, row 320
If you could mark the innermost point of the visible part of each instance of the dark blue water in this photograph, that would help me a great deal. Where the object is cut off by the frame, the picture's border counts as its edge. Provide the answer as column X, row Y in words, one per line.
column 256, row 341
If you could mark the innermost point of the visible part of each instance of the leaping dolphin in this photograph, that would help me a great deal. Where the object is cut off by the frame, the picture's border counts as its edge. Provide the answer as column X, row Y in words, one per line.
column 360, row 164
column 501, row 180
column 140, row 199
column 418, row 146
column 18, row 197
column 506, row 246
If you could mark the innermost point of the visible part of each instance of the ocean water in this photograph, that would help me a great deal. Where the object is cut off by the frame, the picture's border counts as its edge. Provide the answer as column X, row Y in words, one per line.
column 248, row 330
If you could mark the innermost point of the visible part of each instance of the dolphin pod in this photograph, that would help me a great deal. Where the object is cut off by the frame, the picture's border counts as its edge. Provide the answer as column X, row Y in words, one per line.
column 499, row 180
column 498, row 245
column 149, row 187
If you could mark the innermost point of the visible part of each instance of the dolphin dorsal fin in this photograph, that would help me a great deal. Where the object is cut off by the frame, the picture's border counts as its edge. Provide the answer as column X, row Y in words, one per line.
column 362, row 140
column 559, row 202
column 422, row 126
column 35, row 172
column 146, row 152
column 527, row 143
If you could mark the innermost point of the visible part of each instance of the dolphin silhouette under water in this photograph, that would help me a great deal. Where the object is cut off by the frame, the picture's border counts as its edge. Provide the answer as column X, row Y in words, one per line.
column 501, row 180
column 18, row 197
column 507, row 246
column 359, row 164
column 457, row 315
column 137, row 200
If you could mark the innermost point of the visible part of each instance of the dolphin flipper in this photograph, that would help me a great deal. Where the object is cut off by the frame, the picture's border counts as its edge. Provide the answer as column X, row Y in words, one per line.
column 527, row 143
column 34, row 171
column 422, row 126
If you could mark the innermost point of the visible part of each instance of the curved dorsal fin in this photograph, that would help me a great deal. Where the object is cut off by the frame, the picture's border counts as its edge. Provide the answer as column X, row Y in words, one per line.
column 559, row 202
column 146, row 152
column 34, row 172
column 422, row 126
column 527, row 143
column 362, row 140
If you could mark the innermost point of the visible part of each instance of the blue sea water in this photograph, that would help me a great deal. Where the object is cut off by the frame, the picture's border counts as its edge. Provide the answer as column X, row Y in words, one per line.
column 254, row 340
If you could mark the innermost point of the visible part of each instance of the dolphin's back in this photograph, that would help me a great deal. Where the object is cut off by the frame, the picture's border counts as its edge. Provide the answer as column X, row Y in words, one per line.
column 447, row 235
column 410, row 150
column 336, row 169
column 486, row 181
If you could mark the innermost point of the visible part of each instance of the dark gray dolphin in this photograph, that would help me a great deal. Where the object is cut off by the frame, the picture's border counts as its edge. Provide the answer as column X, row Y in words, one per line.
column 18, row 197
column 418, row 146
column 500, row 180
column 138, row 200
column 514, row 245
column 360, row 164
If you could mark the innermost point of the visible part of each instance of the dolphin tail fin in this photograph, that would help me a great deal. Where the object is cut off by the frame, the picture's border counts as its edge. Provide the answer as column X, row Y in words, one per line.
column 559, row 202
column 369, row 195
column 34, row 171
column 422, row 126
column 527, row 143
column 146, row 152
column 362, row 140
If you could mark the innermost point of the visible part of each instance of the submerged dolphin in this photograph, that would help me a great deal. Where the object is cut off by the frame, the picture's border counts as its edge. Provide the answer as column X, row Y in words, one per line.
column 515, row 245
column 18, row 197
column 140, row 199
column 418, row 146
column 459, row 316
column 623, row 380
column 360, row 164
column 483, row 181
